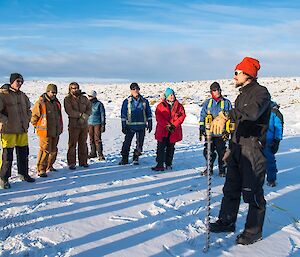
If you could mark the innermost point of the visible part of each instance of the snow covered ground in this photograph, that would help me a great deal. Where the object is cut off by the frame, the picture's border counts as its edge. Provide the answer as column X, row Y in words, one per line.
column 112, row 210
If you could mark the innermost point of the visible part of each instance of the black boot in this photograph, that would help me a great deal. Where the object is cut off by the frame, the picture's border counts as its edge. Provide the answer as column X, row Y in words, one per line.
column 124, row 160
column 93, row 151
column 135, row 158
column 246, row 238
column 100, row 152
column 219, row 226
column 204, row 173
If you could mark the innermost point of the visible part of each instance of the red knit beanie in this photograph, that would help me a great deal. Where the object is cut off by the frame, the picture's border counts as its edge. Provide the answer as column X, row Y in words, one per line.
column 249, row 66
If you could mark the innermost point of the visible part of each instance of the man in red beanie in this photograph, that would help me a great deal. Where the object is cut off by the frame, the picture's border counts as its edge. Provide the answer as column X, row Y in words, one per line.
column 246, row 164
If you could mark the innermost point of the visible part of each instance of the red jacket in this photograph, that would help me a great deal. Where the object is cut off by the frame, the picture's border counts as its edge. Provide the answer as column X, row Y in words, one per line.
column 165, row 116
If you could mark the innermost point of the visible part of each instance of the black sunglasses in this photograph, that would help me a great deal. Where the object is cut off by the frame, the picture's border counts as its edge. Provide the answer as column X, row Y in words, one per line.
column 237, row 73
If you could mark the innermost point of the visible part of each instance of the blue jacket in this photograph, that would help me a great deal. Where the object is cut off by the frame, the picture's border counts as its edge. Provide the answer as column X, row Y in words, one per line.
column 275, row 129
column 136, row 113
column 97, row 116
column 213, row 107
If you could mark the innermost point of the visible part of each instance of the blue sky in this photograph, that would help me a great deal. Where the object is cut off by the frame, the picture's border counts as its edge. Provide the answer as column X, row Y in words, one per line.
column 141, row 40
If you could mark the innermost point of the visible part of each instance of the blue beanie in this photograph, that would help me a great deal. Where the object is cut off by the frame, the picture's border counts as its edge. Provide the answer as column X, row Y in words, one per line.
column 169, row 91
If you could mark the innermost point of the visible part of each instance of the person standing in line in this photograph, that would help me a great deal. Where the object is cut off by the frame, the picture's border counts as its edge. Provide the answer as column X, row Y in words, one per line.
column 96, row 125
column 213, row 106
column 274, row 136
column 78, row 108
column 15, row 116
column 169, row 115
column 136, row 116
column 246, row 162
column 47, row 120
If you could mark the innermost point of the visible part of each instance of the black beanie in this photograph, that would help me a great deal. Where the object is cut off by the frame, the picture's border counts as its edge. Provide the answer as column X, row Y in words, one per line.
column 215, row 86
column 15, row 76
column 134, row 85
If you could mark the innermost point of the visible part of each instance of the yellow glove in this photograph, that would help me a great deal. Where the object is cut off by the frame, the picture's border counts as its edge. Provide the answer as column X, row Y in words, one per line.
column 218, row 124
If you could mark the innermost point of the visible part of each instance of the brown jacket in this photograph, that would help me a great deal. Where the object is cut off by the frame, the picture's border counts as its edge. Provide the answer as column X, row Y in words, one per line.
column 52, row 125
column 15, row 111
column 75, row 107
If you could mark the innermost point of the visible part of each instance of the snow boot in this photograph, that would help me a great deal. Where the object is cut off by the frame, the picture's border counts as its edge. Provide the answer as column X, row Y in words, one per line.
column 100, row 152
column 26, row 178
column 158, row 168
column 4, row 184
column 246, row 238
column 204, row 173
column 124, row 160
column 219, row 226
column 93, row 151
column 135, row 158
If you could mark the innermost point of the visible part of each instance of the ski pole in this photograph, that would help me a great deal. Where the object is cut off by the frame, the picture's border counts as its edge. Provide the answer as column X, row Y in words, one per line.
column 207, row 218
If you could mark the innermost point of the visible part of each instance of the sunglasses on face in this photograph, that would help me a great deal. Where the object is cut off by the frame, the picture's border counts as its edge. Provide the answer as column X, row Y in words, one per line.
column 53, row 92
column 238, row 72
column 135, row 89
column 19, row 81
column 214, row 90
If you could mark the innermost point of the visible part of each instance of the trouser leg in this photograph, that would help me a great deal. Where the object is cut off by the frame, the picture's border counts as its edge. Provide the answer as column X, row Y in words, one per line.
column 213, row 154
column 82, row 146
column 43, row 154
column 22, row 159
column 170, row 148
column 91, row 132
column 160, row 152
column 53, row 152
column 254, row 167
column 271, row 164
column 232, row 188
column 127, row 143
column 7, row 159
column 140, row 137
column 73, row 139
column 220, row 146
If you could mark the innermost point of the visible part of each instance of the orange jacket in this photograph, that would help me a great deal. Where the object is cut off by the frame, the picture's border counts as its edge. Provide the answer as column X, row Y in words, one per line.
column 41, row 119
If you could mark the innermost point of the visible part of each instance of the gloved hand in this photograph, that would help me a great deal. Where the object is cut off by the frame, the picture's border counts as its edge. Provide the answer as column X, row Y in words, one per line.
column 170, row 127
column 226, row 156
column 149, row 126
column 103, row 128
column 83, row 118
column 201, row 132
column 275, row 146
column 124, row 127
column 218, row 124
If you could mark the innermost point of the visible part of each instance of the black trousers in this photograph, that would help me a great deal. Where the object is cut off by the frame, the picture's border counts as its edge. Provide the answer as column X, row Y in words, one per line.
column 217, row 145
column 165, row 152
column 7, row 159
column 245, row 175
column 140, row 136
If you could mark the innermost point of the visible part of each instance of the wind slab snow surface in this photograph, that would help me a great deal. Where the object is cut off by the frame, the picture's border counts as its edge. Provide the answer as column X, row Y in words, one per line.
column 112, row 210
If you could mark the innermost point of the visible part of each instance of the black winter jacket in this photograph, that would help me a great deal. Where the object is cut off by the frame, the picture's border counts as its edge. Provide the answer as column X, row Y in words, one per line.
column 251, row 114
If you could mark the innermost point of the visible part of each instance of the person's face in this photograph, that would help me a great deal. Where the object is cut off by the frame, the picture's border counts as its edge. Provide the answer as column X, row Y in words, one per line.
column 52, row 94
column 216, row 93
column 240, row 78
column 74, row 89
column 16, row 85
column 171, row 98
column 135, row 92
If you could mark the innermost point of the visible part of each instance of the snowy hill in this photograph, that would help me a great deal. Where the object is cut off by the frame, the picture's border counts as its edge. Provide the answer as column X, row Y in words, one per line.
column 112, row 210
